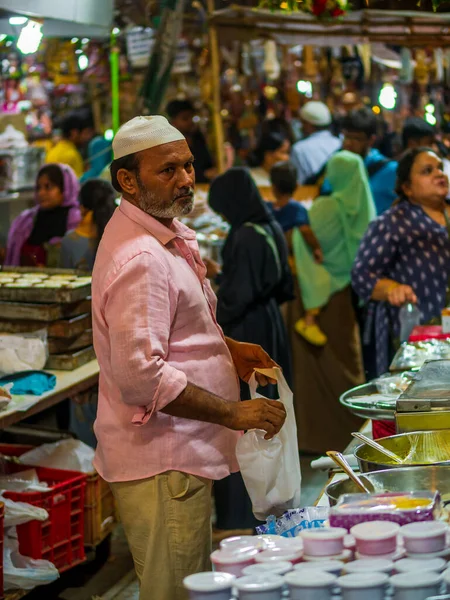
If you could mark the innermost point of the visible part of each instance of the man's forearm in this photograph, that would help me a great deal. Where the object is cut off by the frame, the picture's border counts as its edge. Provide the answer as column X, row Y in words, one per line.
column 198, row 404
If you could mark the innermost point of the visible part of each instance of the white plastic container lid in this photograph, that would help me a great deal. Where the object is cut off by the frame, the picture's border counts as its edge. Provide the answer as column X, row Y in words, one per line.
column 366, row 565
column 329, row 566
column 209, row 582
column 424, row 529
column 312, row 578
column 259, row 583
column 356, row 581
column 415, row 580
column 235, row 556
column 408, row 565
column 238, row 541
column 375, row 530
column 329, row 533
column 267, row 540
column 288, row 554
column 277, row 567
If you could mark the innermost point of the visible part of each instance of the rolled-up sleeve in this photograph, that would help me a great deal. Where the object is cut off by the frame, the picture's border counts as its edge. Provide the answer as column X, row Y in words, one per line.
column 375, row 254
column 139, row 305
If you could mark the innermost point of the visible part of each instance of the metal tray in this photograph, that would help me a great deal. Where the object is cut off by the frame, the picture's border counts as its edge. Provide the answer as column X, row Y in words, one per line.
column 44, row 295
column 72, row 361
column 43, row 312
column 64, row 346
column 366, row 412
column 65, row 328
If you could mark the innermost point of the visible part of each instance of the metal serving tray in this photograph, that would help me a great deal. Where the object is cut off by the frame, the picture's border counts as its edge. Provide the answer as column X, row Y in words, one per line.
column 349, row 400
column 71, row 361
column 64, row 328
column 44, row 295
column 45, row 313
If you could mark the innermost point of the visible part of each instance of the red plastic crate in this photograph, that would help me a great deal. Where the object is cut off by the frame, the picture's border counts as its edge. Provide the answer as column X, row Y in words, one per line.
column 60, row 539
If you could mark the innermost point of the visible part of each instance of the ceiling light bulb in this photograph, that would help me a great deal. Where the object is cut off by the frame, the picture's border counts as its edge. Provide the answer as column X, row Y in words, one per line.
column 17, row 20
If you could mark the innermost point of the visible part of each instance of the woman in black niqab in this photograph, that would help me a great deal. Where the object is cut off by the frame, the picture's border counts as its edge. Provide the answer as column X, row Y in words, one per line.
column 256, row 280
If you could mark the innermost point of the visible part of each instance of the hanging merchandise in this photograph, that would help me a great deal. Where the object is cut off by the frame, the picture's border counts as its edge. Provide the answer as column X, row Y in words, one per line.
column 352, row 68
column 271, row 67
column 309, row 64
column 163, row 55
column 139, row 45
column 407, row 70
column 447, row 66
column 365, row 54
column 421, row 72
column 439, row 65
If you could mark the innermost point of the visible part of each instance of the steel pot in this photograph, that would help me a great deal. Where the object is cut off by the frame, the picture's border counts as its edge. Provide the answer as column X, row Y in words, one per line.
column 404, row 479
column 418, row 449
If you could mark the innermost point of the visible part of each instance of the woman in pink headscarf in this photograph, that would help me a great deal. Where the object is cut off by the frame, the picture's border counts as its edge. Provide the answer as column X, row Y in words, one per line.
column 35, row 236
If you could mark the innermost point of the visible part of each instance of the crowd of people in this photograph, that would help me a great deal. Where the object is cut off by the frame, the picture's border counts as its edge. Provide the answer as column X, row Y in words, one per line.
column 316, row 292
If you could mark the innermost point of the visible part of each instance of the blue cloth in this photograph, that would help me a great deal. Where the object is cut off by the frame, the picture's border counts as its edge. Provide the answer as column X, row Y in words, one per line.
column 35, row 383
column 382, row 183
column 290, row 216
column 407, row 246
column 311, row 154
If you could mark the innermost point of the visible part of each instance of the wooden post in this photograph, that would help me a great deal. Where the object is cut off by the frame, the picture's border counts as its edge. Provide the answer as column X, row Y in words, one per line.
column 215, row 72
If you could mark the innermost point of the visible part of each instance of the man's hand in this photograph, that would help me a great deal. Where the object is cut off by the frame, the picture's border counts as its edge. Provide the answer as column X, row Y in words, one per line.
column 268, row 415
column 247, row 358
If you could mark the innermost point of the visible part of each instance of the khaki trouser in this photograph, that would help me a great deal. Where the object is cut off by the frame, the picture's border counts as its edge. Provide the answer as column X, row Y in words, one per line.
column 167, row 521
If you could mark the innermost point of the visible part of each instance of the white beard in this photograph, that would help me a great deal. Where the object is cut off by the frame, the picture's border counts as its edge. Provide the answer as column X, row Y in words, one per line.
column 152, row 205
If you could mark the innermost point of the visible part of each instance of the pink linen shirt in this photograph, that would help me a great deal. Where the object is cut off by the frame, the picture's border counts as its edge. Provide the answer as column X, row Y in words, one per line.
column 155, row 330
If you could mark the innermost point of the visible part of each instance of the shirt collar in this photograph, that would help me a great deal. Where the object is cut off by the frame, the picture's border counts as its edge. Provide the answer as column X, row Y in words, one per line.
column 162, row 233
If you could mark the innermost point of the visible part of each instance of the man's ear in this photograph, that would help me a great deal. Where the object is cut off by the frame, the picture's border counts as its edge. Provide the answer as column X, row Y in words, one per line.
column 128, row 182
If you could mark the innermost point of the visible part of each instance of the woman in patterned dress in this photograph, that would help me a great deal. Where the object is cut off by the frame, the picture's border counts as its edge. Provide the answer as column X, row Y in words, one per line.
column 405, row 258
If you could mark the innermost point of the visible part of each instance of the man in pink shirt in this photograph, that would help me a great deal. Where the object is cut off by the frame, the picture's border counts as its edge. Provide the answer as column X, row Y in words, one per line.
column 169, row 413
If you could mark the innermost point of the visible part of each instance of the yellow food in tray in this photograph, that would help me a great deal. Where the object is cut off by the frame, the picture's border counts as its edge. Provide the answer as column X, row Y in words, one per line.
column 17, row 284
column 49, row 285
column 33, row 275
column 62, row 277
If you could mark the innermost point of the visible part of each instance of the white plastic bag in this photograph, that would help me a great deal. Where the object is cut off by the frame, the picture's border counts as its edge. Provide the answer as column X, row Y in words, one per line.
column 21, row 572
column 23, row 352
column 69, row 455
column 271, row 468
column 18, row 513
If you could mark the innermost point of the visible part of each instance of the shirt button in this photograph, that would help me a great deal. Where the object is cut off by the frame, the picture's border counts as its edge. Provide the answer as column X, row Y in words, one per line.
column 189, row 256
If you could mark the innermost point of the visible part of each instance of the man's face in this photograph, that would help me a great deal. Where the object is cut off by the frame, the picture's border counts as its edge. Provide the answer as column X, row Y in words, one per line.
column 163, row 187
column 184, row 122
column 357, row 142
column 82, row 137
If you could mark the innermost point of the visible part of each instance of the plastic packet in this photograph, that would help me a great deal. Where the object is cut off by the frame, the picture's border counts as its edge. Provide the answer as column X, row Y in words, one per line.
column 68, row 455
column 21, row 572
column 293, row 521
column 23, row 481
column 413, row 354
column 393, row 385
column 398, row 507
column 24, row 352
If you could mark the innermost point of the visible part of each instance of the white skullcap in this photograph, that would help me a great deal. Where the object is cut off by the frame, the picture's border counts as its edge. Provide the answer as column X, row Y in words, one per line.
column 142, row 133
column 316, row 113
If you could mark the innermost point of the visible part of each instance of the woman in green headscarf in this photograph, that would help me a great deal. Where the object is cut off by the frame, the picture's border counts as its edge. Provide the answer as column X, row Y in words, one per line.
column 323, row 374
column 339, row 222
